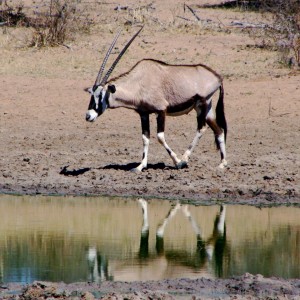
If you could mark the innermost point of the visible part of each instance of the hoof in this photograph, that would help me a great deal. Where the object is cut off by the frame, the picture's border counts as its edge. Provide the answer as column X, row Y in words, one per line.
column 223, row 164
column 143, row 203
column 181, row 165
column 135, row 170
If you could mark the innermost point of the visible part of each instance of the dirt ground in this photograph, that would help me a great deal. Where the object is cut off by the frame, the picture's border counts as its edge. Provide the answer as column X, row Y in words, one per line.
column 47, row 147
column 244, row 287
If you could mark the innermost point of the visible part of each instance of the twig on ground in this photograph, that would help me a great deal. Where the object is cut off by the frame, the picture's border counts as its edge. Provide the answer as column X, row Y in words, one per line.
column 273, row 115
column 186, row 19
column 68, row 47
column 192, row 11
column 221, row 23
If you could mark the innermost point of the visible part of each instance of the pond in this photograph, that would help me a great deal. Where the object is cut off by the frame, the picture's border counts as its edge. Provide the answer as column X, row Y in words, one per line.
column 74, row 239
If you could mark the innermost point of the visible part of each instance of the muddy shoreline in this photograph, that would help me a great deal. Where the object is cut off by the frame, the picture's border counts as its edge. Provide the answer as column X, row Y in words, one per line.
column 264, row 198
column 247, row 286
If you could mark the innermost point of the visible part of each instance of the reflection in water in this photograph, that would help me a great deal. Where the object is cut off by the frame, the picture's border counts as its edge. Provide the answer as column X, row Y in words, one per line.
column 98, row 266
column 95, row 239
column 209, row 252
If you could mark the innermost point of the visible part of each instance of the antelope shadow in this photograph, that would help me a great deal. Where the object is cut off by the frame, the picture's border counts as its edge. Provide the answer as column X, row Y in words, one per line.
column 118, row 167
column 132, row 166
column 64, row 171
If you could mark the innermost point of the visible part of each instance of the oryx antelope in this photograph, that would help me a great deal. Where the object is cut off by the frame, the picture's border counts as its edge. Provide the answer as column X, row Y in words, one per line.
column 153, row 86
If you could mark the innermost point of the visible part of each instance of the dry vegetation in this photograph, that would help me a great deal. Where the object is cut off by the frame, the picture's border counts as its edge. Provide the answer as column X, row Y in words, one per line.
column 284, row 31
column 52, row 22
column 55, row 22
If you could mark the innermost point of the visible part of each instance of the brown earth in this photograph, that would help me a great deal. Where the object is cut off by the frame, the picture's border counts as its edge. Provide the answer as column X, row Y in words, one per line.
column 244, row 287
column 47, row 146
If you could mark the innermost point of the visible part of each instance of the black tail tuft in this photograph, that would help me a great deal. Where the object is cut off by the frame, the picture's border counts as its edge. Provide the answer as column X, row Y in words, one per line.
column 220, row 115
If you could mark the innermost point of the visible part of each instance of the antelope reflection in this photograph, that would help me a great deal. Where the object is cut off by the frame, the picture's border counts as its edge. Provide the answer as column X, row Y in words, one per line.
column 208, row 259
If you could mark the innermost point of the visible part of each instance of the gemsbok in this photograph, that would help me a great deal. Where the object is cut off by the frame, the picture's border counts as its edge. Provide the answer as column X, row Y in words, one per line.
column 153, row 86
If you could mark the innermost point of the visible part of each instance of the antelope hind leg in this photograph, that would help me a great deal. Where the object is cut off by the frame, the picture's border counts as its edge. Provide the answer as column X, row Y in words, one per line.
column 220, row 141
column 192, row 146
column 201, row 110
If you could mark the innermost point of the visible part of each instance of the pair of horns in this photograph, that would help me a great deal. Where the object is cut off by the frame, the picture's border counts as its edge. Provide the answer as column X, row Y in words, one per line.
column 103, row 81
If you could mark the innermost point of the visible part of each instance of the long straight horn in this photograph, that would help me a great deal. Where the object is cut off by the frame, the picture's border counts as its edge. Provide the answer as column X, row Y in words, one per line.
column 98, row 79
column 105, row 78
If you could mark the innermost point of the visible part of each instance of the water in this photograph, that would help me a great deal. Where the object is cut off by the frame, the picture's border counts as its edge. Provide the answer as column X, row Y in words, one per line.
column 75, row 239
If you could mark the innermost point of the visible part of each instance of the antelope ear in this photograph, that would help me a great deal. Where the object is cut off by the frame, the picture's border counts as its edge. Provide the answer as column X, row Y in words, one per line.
column 112, row 88
column 89, row 90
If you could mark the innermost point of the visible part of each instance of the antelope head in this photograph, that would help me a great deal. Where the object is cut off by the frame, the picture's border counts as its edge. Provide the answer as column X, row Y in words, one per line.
column 100, row 91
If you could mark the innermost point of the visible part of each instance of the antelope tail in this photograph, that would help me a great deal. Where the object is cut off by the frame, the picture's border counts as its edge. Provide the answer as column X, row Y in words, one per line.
column 220, row 115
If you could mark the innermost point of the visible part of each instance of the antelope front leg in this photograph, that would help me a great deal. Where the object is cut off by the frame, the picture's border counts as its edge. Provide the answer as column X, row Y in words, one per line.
column 146, row 141
column 161, row 117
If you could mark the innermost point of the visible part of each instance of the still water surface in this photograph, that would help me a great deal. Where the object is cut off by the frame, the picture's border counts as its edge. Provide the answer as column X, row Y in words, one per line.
column 75, row 239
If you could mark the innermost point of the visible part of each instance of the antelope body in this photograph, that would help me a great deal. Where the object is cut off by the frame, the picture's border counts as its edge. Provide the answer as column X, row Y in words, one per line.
column 153, row 86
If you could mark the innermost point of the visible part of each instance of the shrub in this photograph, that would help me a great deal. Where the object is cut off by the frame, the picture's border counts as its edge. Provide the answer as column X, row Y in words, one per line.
column 52, row 22
column 12, row 15
column 58, row 23
column 284, row 31
column 285, row 28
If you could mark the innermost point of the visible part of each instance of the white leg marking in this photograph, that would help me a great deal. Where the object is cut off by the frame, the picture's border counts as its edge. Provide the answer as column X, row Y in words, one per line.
column 210, row 113
column 92, row 254
column 210, row 252
column 161, row 139
column 144, row 162
column 221, row 141
column 161, row 229
column 220, row 226
column 192, row 146
column 144, row 205
column 221, row 223
column 195, row 226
